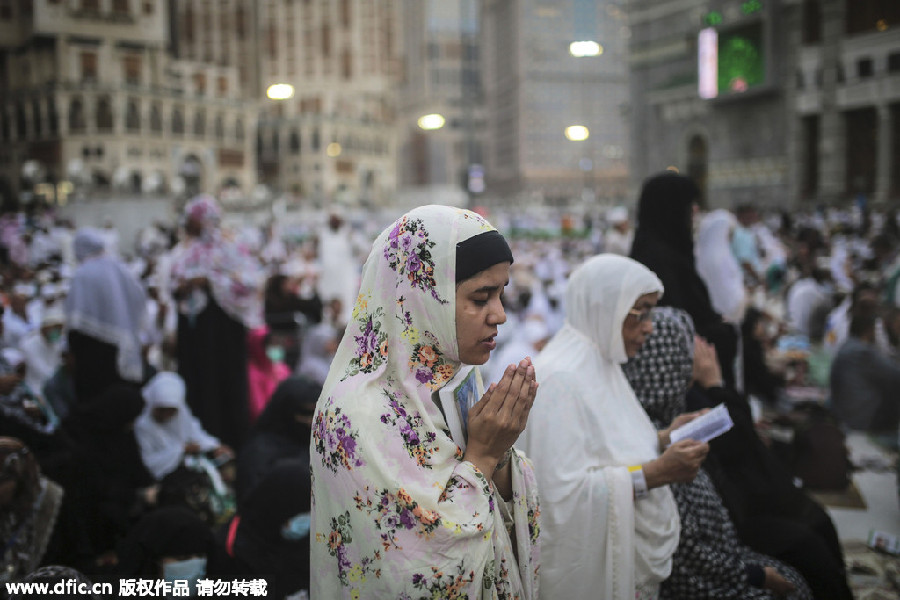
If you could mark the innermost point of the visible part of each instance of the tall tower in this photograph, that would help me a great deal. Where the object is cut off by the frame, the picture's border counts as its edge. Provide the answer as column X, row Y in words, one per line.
column 334, row 139
column 441, row 120
column 544, row 96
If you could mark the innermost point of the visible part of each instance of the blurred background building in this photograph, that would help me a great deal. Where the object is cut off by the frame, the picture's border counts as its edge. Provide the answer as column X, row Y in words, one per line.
column 556, row 112
column 555, row 103
column 777, row 102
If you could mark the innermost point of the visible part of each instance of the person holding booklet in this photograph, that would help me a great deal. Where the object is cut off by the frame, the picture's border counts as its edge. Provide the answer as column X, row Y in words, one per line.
column 417, row 491
column 711, row 561
column 610, row 523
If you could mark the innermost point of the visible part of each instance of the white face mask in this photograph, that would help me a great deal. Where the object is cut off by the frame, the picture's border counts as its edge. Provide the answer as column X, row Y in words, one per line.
column 191, row 570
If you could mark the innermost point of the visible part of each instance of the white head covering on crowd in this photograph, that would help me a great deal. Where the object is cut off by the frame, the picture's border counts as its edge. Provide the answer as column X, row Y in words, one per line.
column 162, row 444
column 106, row 301
column 585, row 429
column 718, row 267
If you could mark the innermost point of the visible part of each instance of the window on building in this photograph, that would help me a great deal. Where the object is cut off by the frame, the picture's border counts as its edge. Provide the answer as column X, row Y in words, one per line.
column 326, row 40
column 239, row 130
column 810, row 157
column 149, row 7
column 104, row 114
column 200, row 83
column 219, row 127
column 36, row 118
column 239, row 19
column 155, row 118
column 52, row 117
column 120, row 6
column 200, row 123
column 21, row 122
column 90, row 5
column 347, row 64
column 869, row 16
column 893, row 62
column 222, row 85
column 133, row 117
column 77, row 122
column 187, row 25
column 88, row 66
column 812, row 22
column 177, row 121
column 294, row 143
column 865, row 68
column 132, row 67
column 272, row 40
column 345, row 13
column 861, row 150
column 6, row 12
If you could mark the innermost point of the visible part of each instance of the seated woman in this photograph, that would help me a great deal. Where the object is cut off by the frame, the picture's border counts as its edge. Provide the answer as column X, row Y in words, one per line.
column 281, row 433
column 710, row 561
column 167, row 431
column 269, row 537
column 610, row 522
column 29, row 504
column 171, row 544
column 416, row 489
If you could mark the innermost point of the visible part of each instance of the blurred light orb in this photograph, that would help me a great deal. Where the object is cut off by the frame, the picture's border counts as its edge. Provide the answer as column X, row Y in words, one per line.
column 577, row 133
column 584, row 48
column 280, row 91
column 432, row 121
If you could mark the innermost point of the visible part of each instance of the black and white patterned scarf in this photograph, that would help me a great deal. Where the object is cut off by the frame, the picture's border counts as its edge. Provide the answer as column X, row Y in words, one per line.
column 660, row 373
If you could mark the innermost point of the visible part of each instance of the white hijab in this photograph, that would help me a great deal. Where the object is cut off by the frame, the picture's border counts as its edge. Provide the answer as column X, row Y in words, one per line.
column 585, row 429
column 718, row 266
column 162, row 444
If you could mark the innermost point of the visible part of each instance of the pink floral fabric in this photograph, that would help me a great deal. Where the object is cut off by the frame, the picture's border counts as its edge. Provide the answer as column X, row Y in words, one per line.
column 396, row 511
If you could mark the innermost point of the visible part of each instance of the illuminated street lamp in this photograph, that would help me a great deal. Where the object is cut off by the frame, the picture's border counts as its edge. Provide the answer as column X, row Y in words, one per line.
column 585, row 48
column 280, row 91
column 577, row 133
column 431, row 122
column 333, row 149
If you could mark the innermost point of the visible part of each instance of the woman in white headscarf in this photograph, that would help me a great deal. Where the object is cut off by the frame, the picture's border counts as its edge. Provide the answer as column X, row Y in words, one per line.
column 166, row 429
column 610, row 524
column 718, row 266
column 417, row 492
column 105, row 310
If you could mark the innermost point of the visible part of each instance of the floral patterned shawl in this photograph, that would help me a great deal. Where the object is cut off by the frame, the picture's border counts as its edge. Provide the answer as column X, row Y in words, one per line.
column 235, row 277
column 397, row 513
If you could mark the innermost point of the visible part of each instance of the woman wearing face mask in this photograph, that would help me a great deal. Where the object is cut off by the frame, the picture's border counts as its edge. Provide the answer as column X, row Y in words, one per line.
column 610, row 522
column 265, row 368
column 269, row 537
column 172, row 544
column 166, row 430
column 416, row 488
column 42, row 349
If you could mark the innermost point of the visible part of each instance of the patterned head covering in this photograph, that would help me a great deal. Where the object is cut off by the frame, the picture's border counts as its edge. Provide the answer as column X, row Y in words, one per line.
column 205, row 211
column 421, row 520
column 661, row 372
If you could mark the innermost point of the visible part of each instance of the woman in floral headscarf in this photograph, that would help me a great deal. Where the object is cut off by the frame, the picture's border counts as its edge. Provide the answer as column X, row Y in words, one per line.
column 217, row 287
column 416, row 489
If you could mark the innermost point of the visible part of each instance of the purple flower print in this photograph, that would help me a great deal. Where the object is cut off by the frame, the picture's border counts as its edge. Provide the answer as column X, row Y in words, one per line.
column 423, row 375
column 413, row 264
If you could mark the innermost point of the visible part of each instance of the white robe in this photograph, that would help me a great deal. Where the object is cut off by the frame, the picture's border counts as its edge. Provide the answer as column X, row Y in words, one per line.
column 585, row 429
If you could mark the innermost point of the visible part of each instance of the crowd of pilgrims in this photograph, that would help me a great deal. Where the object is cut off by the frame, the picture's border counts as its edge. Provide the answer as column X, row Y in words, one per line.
column 157, row 405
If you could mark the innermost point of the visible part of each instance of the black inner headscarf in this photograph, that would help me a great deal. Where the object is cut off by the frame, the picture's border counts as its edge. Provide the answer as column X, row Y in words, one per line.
column 481, row 252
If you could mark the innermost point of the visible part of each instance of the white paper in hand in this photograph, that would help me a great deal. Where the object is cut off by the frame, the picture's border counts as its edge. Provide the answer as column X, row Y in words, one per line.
column 705, row 427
